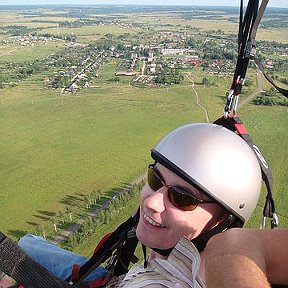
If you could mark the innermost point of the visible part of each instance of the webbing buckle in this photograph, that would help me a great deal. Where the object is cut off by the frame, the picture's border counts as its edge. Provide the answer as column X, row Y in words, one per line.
column 232, row 100
column 274, row 221
column 250, row 50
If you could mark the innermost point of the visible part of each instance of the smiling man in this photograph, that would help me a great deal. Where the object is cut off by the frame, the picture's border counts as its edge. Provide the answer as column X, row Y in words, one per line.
column 205, row 179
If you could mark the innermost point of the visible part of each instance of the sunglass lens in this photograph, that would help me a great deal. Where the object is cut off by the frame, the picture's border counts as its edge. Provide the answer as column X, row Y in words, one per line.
column 182, row 199
column 153, row 180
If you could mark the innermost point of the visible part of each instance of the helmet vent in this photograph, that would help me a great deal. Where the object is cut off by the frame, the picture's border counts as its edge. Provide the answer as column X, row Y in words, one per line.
column 241, row 205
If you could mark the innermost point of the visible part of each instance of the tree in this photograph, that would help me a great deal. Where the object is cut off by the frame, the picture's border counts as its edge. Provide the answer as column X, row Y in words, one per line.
column 120, row 47
column 68, row 212
column 191, row 43
column 146, row 52
column 205, row 81
column 106, row 216
column 248, row 82
column 204, row 65
column 54, row 222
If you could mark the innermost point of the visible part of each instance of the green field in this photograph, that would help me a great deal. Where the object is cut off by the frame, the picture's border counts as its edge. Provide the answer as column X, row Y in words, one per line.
column 268, row 128
column 59, row 147
column 17, row 53
column 88, row 30
column 279, row 35
column 56, row 149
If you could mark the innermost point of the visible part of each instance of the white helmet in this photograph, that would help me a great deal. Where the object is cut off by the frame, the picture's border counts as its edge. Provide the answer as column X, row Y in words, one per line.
column 217, row 161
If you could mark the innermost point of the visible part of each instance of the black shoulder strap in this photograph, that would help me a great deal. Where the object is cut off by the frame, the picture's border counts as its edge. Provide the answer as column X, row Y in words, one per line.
column 245, row 47
column 123, row 240
column 235, row 124
column 283, row 91
column 248, row 26
column 15, row 263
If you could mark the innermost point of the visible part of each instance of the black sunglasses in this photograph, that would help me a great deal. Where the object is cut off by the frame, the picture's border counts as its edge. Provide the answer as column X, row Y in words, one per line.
column 178, row 196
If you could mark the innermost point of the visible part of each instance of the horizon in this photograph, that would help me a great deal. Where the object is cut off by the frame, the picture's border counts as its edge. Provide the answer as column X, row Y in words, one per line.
column 211, row 3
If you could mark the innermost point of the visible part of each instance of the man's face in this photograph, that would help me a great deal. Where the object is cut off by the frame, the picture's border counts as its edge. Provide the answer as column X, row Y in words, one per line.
column 161, row 225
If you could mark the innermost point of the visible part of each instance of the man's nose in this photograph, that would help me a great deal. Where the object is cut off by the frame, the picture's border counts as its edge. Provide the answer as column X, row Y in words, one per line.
column 157, row 199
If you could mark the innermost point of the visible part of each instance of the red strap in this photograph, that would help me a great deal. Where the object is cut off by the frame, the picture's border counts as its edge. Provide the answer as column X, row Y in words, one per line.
column 103, row 240
column 100, row 281
column 241, row 128
column 76, row 268
column 75, row 272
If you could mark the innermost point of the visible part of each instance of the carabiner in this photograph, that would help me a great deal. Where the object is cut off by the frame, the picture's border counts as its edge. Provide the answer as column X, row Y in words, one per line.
column 228, row 104
column 274, row 221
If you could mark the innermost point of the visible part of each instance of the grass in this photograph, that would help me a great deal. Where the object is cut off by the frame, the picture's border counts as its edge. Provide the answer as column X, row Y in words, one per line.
column 278, row 35
column 10, row 18
column 55, row 149
column 88, row 30
column 17, row 53
column 268, row 127
column 171, row 21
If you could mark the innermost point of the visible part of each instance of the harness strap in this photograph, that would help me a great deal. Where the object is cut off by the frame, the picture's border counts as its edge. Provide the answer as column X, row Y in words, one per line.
column 125, row 256
column 257, row 21
column 144, row 250
column 75, row 272
column 23, row 269
column 260, row 66
column 102, row 241
column 235, row 124
column 246, row 50
column 122, row 238
column 200, row 242
column 100, row 282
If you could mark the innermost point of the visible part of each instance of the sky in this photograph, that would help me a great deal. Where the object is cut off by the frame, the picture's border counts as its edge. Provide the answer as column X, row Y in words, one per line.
column 272, row 3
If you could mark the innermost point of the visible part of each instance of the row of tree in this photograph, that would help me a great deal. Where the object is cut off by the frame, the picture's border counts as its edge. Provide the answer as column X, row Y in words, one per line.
column 104, row 216
column 270, row 98
column 99, row 209
column 168, row 76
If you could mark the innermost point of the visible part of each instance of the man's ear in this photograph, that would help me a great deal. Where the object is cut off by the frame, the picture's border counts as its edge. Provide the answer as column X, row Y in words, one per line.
column 221, row 216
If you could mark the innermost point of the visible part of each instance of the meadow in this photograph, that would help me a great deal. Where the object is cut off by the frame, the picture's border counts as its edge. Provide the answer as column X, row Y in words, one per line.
column 88, row 33
column 15, row 53
column 56, row 148
column 266, row 125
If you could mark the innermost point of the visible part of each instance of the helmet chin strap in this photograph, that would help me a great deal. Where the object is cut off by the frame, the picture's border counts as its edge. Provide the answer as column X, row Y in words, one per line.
column 201, row 240
column 162, row 252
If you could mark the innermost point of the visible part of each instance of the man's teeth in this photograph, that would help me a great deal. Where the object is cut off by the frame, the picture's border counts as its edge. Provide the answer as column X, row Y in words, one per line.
column 152, row 222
